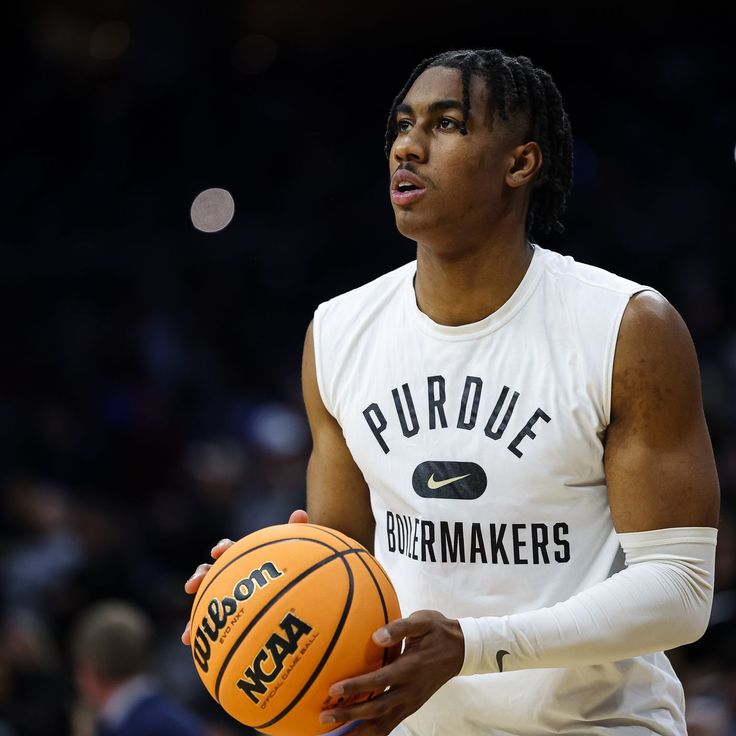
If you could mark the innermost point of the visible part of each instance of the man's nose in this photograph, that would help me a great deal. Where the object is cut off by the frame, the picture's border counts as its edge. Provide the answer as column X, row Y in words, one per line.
column 410, row 146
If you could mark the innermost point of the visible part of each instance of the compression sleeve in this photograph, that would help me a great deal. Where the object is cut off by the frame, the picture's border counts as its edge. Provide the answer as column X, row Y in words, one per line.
column 662, row 599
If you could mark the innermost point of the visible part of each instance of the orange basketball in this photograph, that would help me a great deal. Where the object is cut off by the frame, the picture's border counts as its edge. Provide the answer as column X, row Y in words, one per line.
column 286, row 612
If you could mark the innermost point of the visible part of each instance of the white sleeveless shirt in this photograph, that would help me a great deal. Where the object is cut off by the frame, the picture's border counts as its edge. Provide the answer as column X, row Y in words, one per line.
column 482, row 446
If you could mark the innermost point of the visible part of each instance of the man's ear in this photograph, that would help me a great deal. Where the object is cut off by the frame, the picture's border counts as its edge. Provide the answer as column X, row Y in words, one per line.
column 524, row 164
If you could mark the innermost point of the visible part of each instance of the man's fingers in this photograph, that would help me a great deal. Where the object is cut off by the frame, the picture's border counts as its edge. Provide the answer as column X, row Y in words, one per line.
column 192, row 585
column 393, row 632
column 186, row 637
column 220, row 547
column 299, row 517
column 371, row 682
column 390, row 675
column 368, row 710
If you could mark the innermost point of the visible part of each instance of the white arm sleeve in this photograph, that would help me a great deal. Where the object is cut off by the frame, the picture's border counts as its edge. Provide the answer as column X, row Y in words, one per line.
column 661, row 600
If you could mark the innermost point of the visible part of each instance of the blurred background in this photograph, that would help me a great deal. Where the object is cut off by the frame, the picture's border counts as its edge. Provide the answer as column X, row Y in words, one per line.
column 150, row 378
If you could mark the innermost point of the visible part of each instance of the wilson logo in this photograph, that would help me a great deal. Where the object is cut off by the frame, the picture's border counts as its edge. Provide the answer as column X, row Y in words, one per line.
column 272, row 655
column 219, row 611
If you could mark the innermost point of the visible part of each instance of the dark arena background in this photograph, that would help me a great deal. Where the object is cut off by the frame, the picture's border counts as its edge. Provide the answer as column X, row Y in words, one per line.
column 150, row 371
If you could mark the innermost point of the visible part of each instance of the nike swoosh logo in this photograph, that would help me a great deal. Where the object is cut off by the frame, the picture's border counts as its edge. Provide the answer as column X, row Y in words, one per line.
column 449, row 479
column 433, row 484
column 500, row 654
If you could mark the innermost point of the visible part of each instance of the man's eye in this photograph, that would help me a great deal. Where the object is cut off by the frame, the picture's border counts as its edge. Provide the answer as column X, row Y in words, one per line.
column 447, row 123
column 403, row 125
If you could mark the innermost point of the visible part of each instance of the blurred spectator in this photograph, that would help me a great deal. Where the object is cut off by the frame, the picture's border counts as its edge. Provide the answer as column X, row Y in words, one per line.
column 110, row 647
column 33, row 693
column 42, row 552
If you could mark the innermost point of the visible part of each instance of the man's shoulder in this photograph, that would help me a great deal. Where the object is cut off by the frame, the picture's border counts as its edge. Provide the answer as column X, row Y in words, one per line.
column 159, row 714
column 567, row 270
column 374, row 292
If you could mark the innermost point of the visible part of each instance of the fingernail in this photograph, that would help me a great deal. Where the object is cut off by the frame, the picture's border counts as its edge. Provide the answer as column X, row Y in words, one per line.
column 382, row 636
column 326, row 717
column 336, row 691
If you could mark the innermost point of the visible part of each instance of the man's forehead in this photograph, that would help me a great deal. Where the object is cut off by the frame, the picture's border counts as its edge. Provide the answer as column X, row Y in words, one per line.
column 443, row 83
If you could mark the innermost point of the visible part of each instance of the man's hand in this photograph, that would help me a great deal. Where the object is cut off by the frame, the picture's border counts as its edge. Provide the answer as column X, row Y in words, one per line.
column 433, row 654
column 192, row 585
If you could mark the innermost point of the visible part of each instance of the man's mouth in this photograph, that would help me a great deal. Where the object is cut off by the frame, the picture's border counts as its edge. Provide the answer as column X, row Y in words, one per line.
column 406, row 187
column 408, row 195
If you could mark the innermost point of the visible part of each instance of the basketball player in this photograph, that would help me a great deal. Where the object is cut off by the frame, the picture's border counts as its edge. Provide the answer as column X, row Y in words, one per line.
column 501, row 424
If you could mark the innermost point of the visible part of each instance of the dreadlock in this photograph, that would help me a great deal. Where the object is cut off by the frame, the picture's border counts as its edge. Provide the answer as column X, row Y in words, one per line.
column 516, row 86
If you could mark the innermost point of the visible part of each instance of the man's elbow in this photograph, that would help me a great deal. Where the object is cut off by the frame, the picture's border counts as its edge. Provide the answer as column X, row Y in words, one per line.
column 689, row 615
column 694, row 624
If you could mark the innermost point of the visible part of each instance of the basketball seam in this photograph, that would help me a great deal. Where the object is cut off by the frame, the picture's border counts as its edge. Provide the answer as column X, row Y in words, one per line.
column 348, row 541
column 339, row 536
column 330, row 647
column 375, row 582
column 202, row 591
column 264, row 610
column 344, row 538
column 383, row 604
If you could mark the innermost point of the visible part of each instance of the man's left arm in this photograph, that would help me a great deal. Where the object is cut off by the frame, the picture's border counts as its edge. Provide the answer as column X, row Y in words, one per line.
column 664, row 500
column 660, row 469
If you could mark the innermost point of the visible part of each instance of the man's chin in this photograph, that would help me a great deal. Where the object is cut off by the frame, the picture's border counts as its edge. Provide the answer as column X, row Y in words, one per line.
column 413, row 225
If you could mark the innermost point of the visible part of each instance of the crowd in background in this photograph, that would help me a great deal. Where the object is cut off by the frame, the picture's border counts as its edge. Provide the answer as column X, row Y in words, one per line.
column 150, row 396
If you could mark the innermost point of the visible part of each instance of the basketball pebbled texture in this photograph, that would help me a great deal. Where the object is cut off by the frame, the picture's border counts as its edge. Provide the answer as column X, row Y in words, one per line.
column 283, row 614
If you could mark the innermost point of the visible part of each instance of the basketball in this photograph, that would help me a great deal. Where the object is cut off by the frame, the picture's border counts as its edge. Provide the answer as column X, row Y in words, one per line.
column 283, row 614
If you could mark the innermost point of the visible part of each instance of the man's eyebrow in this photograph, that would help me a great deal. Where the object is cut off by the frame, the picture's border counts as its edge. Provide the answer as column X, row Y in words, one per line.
column 435, row 106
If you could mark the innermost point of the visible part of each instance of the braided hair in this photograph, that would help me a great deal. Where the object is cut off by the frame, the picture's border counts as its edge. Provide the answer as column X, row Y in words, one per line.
column 516, row 86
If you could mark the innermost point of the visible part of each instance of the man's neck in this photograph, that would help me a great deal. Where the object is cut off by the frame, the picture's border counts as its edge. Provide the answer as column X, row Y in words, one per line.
column 462, row 288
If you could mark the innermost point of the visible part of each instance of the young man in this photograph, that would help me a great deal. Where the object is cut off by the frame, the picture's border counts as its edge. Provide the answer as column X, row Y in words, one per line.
column 496, row 422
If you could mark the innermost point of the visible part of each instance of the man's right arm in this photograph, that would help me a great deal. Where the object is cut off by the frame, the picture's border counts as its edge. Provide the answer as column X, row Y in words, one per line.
column 337, row 494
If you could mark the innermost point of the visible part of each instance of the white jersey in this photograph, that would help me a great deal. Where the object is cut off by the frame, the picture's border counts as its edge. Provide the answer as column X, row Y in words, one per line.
column 482, row 446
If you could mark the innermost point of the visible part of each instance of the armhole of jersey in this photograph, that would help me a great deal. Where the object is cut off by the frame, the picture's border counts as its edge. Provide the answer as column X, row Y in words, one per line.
column 612, row 343
column 318, row 367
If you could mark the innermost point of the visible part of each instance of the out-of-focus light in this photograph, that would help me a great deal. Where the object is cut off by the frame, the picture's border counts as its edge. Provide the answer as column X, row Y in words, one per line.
column 254, row 54
column 109, row 40
column 212, row 210
column 215, row 462
column 278, row 429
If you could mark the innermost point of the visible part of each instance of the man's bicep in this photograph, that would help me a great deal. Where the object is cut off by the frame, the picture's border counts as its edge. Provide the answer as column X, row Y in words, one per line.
column 659, row 461
column 337, row 494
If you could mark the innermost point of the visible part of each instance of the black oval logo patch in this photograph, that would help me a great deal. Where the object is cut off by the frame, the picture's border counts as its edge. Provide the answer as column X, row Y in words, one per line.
column 448, row 479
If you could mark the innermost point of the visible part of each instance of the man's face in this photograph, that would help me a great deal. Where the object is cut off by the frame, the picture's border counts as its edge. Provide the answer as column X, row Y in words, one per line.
column 459, row 179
